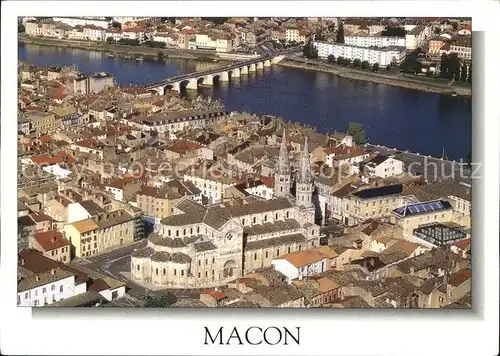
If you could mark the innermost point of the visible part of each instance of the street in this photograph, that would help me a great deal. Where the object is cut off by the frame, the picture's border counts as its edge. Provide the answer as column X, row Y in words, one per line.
column 431, row 168
column 113, row 263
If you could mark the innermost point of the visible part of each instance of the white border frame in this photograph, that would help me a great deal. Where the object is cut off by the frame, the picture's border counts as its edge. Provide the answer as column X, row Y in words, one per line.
column 101, row 331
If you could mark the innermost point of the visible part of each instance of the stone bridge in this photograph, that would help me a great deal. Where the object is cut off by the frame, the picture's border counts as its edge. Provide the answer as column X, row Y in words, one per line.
column 208, row 77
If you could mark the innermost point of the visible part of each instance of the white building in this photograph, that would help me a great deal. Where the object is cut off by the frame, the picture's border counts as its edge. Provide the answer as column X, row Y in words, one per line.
column 416, row 35
column 46, row 288
column 375, row 41
column 134, row 34
column 57, row 170
column 382, row 56
column 123, row 19
column 94, row 33
column 300, row 264
column 382, row 166
column 83, row 21
column 292, row 34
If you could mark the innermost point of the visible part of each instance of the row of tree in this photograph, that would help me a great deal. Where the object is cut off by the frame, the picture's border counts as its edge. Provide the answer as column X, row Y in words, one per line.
column 451, row 68
column 357, row 63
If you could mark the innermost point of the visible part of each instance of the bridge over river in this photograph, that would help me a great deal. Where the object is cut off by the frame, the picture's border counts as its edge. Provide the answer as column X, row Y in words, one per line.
column 207, row 77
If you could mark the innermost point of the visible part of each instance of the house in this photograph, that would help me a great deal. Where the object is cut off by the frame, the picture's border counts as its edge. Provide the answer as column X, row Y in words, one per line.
column 300, row 264
column 123, row 189
column 381, row 166
column 378, row 202
column 276, row 296
column 43, row 281
column 53, row 245
column 213, row 298
column 94, row 33
column 344, row 154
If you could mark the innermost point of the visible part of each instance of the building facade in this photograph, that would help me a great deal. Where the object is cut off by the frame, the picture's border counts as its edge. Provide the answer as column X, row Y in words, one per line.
column 382, row 56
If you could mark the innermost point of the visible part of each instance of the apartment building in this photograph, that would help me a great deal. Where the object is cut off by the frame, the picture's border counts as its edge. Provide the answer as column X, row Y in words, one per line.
column 382, row 56
column 374, row 203
column 462, row 46
column 101, row 233
column 212, row 187
column 416, row 36
column 43, row 122
column 375, row 41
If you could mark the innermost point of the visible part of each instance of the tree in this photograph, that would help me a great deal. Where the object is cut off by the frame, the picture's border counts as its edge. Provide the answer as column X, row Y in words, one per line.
column 394, row 32
column 160, row 54
column 128, row 42
column 21, row 28
column 388, row 68
column 331, row 58
column 356, row 131
column 365, row 65
column 468, row 159
column 463, row 73
column 155, row 44
column 309, row 50
column 116, row 25
column 375, row 67
column 347, row 62
column 437, row 30
column 411, row 64
column 340, row 34
column 356, row 63
column 319, row 35
column 110, row 39
column 469, row 79
column 164, row 301
column 340, row 60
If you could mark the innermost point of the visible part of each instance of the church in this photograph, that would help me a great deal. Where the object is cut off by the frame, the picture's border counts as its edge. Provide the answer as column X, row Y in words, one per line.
column 203, row 246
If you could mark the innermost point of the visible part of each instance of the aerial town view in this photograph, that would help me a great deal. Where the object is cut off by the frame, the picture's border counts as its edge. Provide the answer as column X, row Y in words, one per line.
column 246, row 162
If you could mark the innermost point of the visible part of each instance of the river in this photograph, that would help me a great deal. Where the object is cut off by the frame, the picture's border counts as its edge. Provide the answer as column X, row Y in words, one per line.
column 426, row 123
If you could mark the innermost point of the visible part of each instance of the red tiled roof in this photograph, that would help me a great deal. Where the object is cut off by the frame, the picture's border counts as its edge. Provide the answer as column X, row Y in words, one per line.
column 45, row 139
column 217, row 295
column 464, row 244
column 459, row 277
column 37, row 263
column 40, row 217
column 268, row 181
column 148, row 191
column 55, row 159
column 345, row 151
column 183, row 146
column 51, row 240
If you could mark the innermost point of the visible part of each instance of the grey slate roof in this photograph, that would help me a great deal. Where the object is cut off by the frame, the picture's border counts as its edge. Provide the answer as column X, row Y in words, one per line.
column 275, row 241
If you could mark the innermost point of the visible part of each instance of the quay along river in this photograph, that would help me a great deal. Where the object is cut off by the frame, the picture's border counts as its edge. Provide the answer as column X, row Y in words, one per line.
column 395, row 117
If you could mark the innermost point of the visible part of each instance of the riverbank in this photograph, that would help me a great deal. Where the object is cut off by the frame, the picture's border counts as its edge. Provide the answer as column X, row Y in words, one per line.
column 125, row 51
column 403, row 82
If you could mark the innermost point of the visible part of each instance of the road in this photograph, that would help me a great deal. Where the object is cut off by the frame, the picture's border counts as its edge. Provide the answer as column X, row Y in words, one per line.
column 431, row 168
column 113, row 263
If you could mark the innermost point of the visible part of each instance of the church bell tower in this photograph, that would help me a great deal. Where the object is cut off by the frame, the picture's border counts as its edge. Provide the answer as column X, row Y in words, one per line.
column 282, row 176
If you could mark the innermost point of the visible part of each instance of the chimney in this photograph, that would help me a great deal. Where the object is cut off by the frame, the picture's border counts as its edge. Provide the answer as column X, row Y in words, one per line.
column 372, row 262
column 22, row 261
column 445, row 278
column 412, row 271
column 53, row 272
column 54, row 238
column 365, row 265
column 37, row 278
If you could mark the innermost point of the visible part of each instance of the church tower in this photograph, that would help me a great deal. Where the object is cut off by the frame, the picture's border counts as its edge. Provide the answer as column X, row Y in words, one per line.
column 282, row 175
column 304, row 186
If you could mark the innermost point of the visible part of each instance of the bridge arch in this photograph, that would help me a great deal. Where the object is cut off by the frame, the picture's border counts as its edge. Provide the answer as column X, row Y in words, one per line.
column 168, row 88
column 183, row 84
